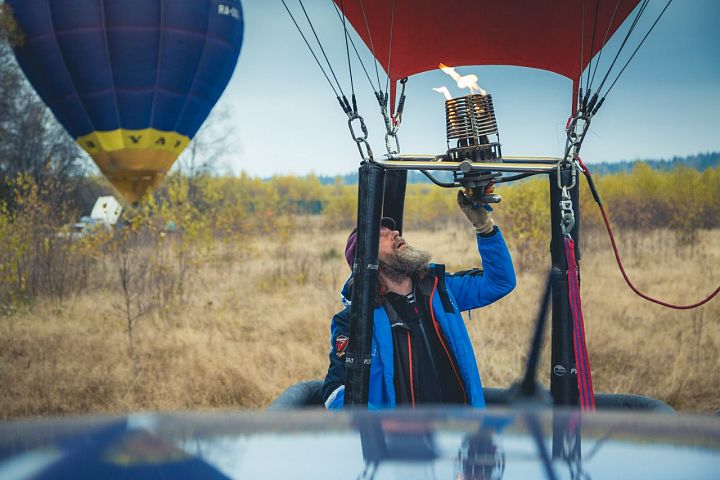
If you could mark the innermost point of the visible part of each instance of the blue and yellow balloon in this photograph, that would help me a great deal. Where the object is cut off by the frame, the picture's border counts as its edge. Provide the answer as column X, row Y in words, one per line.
column 131, row 80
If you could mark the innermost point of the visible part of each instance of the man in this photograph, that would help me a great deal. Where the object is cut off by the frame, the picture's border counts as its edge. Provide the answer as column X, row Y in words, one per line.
column 421, row 351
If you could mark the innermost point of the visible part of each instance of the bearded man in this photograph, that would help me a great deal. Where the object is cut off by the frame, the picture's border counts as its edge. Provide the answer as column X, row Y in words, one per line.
column 421, row 351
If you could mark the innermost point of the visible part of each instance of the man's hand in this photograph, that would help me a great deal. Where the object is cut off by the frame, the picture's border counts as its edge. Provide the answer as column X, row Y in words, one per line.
column 478, row 215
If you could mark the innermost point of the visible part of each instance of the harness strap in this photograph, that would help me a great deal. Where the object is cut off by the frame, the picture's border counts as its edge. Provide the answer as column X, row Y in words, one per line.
column 582, row 361
column 440, row 337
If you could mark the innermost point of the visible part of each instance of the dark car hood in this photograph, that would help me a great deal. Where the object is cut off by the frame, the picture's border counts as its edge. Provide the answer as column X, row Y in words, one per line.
column 312, row 444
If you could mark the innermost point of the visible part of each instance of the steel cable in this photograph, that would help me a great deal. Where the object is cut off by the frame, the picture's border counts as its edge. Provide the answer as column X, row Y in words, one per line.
column 638, row 47
column 312, row 52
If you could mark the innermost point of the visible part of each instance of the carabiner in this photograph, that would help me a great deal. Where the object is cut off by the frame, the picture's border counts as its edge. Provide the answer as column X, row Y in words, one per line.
column 363, row 127
column 573, row 173
column 360, row 140
column 390, row 150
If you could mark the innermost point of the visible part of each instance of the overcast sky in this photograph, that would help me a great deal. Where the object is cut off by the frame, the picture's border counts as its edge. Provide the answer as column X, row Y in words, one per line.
column 284, row 117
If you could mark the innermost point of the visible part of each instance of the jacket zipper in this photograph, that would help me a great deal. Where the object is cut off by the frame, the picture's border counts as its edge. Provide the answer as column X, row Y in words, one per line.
column 410, row 364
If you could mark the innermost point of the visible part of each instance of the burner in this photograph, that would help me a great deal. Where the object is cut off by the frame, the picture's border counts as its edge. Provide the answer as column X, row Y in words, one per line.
column 471, row 123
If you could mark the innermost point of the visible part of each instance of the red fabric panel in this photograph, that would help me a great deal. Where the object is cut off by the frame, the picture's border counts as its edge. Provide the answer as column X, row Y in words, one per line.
column 544, row 34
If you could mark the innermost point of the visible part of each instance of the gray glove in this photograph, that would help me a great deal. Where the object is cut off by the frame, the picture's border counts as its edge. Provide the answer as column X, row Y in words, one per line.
column 477, row 214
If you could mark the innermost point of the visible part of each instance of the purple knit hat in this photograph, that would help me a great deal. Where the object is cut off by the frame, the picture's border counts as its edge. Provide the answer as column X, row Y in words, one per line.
column 351, row 244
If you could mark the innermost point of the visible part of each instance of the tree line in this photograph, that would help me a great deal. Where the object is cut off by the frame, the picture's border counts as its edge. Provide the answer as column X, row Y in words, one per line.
column 40, row 254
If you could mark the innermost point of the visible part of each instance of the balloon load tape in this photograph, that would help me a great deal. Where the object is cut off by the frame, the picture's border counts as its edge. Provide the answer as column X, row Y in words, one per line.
column 472, row 136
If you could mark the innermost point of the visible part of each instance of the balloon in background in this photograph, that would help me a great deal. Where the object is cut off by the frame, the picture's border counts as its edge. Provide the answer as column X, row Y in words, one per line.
column 131, row 80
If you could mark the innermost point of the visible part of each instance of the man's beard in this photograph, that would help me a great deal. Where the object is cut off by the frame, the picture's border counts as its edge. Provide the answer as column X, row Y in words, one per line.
column 405, row 262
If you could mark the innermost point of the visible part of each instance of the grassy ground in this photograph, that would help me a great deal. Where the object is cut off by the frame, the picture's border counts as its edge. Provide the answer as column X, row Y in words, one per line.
column 258, row 321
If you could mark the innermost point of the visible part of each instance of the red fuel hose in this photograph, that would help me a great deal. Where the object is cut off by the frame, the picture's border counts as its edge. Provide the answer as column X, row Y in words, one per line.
column 588, row 175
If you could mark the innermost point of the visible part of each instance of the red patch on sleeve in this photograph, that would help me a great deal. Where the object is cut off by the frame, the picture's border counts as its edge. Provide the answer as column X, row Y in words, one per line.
column 341, row 343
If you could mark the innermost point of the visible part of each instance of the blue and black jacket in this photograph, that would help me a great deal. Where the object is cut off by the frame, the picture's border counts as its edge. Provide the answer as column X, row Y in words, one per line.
column 448, row 295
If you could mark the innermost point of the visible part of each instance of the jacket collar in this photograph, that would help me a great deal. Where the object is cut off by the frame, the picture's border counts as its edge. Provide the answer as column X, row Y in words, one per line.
column 424, row 286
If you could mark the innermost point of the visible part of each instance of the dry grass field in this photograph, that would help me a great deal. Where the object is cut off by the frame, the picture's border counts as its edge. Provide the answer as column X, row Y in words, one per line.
column 257, row 320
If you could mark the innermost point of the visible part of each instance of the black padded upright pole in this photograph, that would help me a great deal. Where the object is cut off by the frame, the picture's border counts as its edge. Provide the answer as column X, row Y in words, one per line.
column 371, row 185
column 563, row 375
column 394, row 203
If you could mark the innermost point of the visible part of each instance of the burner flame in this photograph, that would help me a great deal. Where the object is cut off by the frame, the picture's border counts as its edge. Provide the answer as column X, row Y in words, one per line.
column 444, row 91
column 464, row 81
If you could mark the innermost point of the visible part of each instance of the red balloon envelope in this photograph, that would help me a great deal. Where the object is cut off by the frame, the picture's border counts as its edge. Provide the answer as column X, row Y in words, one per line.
column 412, row 36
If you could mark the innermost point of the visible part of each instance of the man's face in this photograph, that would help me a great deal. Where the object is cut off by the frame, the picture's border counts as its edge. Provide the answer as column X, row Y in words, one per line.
column 390, row 242
column 403, row 259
